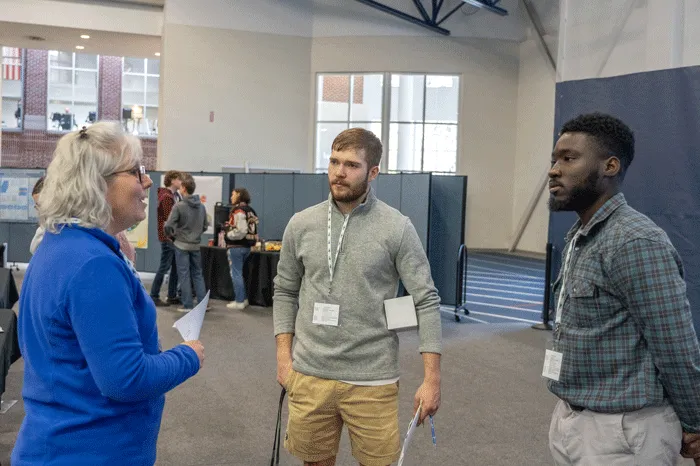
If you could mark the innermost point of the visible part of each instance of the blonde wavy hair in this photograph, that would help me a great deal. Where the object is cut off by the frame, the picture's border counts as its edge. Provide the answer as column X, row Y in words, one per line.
column 76, row 179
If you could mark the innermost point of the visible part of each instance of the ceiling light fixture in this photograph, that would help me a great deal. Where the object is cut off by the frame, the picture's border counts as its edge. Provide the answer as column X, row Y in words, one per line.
column 79, row 47
column 157, row 54
column 84, row 36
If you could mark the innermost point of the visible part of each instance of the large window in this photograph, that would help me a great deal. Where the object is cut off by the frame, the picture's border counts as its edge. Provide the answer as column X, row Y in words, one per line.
column 346, row 101
column 72, row 90
column 140, row 85
column 11, row 88
column 415, row 115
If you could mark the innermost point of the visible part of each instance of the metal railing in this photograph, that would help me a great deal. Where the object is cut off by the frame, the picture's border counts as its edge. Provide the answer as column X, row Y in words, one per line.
column 461, row 288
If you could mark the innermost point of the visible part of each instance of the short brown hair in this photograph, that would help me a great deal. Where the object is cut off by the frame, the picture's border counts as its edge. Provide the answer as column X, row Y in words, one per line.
column 243, row 195
column 188, row 183
column 171, row 175
column 360, row 139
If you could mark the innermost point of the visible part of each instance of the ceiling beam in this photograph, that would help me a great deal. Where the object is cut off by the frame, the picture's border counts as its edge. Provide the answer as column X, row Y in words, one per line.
column 488, row 6
column 405, row 16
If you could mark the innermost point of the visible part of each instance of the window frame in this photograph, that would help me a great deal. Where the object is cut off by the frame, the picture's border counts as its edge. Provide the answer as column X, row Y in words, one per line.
column 386, row 120
column 73, row 70
column 23, row 74
column 144, row 105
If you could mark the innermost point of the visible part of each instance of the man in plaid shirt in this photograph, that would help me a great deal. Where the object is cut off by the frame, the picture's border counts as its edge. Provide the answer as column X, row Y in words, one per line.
column 625, row 360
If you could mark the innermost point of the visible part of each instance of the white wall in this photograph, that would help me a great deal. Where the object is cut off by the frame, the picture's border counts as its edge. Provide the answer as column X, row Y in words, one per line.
column 83, row 15
column 257, row 84
column 489, row 82
column 620, row 37
column 535, row 132
column 270, row 16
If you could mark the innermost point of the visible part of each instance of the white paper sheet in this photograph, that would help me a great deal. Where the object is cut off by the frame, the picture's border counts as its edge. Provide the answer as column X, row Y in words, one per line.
column 190, row 325
column 409, row 434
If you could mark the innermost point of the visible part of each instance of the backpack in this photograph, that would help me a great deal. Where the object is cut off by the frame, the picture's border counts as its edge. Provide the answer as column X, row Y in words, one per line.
column 251, row 236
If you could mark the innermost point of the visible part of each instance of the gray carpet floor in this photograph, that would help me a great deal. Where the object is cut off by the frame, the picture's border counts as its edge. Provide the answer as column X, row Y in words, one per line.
column 495, row 405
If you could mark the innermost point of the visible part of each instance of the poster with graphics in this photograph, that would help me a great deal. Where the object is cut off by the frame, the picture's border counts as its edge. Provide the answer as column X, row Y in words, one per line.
column 138, row 234
column 16, row 201
column 209, row 189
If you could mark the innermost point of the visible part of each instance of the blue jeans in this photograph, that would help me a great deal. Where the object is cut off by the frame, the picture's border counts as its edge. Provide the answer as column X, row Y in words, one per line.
column 236, row 259
column 189, row 270
column 167, row 262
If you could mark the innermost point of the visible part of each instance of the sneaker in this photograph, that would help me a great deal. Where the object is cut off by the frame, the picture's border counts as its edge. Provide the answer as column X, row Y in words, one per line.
column 183, row 310
column 237, row 305
column 173, row 301
column 158, row 302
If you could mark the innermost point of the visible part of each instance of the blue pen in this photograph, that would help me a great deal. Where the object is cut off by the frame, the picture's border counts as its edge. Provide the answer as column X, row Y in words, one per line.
column 432, row 430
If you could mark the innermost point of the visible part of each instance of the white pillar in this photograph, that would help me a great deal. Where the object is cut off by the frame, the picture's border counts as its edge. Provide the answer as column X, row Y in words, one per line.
column 406, row 144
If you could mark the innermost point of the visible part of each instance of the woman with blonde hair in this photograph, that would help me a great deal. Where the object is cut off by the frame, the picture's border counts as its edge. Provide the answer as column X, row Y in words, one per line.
column 95, row 377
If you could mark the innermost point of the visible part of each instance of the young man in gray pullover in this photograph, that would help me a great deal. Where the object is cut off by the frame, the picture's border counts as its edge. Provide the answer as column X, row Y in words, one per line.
column 186, row 223
column 339, row 261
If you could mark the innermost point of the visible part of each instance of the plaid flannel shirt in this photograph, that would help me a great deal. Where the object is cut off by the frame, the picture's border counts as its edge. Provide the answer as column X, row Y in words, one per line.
column 626, row 331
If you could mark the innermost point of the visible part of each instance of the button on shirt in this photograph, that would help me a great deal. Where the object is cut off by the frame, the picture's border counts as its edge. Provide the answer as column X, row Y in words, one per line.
column 626, row 330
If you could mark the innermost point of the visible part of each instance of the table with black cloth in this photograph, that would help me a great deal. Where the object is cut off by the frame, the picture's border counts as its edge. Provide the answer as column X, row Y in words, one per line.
column 8, row 289
column 9, row 345
column 259, row 271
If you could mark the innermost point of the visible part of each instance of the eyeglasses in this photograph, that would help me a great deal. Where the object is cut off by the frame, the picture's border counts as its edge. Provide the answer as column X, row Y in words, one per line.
column 138, row 171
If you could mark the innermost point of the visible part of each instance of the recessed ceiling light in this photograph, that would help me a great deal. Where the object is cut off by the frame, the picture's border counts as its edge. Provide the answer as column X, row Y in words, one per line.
column 84, row 36
column 79, row 47
column 157, row 54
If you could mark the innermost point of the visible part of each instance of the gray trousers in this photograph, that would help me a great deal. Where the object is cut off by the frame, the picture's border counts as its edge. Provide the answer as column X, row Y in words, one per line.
column 647, row 437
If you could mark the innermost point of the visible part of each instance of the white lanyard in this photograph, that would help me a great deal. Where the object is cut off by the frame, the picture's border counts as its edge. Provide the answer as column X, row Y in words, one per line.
column 564, row 278
column 331, row 261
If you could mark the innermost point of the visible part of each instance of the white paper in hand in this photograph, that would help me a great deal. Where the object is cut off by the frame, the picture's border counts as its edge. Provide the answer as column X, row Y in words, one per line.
column 190, row 325
column 409, row 434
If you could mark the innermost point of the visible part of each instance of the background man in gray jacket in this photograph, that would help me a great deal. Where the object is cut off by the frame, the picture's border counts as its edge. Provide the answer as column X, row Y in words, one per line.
column 339, row 261
column 187, row 222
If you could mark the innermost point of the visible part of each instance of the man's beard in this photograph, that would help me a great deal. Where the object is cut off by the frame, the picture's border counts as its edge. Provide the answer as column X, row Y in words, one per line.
column 579, row 198
column 354, row 193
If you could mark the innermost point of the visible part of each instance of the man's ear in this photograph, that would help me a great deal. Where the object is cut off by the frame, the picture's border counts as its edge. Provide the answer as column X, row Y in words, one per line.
column 373, row 173
column 612, row 167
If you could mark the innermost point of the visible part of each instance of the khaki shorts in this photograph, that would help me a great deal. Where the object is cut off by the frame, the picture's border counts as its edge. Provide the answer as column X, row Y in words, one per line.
column 318, row 408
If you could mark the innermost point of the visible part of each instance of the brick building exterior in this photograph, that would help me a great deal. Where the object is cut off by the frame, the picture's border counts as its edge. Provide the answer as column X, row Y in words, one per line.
column 33, row 146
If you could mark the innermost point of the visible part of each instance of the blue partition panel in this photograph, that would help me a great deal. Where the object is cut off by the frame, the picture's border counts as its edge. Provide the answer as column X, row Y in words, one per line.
column 326, row 187
column 415, row 202
column 147, row 260
column 5, row 235
column 309, row 190
column 278, row 207
column 21, row 235
column 388, row 189
column 448, row 195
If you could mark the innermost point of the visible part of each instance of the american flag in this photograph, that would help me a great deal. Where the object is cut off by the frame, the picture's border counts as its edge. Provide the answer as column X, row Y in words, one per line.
column 11, row 63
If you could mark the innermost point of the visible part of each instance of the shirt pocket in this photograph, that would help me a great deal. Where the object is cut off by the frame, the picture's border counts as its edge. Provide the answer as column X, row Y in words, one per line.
column 582, row 306
column 591, row 304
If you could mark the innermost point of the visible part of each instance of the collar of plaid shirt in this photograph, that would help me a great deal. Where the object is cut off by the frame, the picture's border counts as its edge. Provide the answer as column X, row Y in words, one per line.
column 605, row 211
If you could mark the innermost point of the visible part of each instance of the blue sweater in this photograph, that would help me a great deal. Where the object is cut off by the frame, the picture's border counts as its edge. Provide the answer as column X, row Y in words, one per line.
column 94, row 375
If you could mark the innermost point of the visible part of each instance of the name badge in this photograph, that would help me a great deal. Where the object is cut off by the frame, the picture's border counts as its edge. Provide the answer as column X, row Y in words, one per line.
column 552, row 364
column 326, row 314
